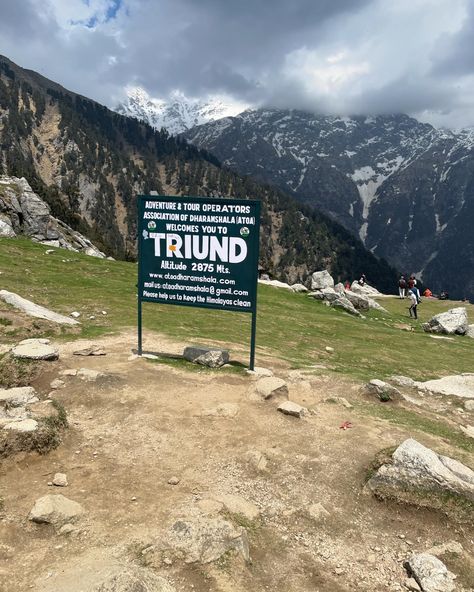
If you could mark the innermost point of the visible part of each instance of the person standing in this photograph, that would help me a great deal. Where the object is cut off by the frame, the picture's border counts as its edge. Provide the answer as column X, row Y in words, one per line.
column 413, row 303
column 402, row 286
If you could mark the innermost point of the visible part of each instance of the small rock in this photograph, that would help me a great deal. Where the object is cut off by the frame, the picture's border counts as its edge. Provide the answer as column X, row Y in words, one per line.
column 173, row 481
column 60, row 480
column 272, row 387
column 88, row 374
column 69, row 372
column 67, row 529
column 469, row 405
column 75, row 314
column 56, row 510
column 291, row 408
column 18, row 396
column 238, row 505
column 104, row 312
column 210, row 506
column 318, row 512
column 344, row 402
column 257, row 460
column 430, row 573
column 452, row 547
column 90, row 351
column 25, row 425
column 383, row 390
column 329, row 349
column 403, row 381
column 57, row 384
column 468, row 430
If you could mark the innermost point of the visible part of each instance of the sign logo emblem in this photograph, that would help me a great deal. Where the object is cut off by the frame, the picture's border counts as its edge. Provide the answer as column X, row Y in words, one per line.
column 244, row 232
column 151, row 225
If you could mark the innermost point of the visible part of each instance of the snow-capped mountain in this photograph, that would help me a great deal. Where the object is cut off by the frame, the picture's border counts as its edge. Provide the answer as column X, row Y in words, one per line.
column 177, row 114
column 405, row 188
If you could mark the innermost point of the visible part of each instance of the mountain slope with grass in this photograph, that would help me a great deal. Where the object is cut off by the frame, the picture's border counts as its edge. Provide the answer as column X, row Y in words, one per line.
column 88, row 163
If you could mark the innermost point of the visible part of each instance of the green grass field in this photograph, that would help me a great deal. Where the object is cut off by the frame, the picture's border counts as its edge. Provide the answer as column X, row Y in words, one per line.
column 290, row 326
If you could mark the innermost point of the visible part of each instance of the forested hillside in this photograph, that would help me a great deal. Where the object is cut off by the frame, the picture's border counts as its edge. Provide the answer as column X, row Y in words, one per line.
column 89, row 163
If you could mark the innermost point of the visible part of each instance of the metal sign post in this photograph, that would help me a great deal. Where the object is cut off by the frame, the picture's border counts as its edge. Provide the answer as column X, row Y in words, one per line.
column 200, row 252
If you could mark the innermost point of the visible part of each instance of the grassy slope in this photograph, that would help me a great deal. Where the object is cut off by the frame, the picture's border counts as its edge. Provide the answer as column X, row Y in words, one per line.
column 290, row 326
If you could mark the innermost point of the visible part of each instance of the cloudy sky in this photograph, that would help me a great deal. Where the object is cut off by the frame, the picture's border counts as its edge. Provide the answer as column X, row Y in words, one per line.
column 330, row 56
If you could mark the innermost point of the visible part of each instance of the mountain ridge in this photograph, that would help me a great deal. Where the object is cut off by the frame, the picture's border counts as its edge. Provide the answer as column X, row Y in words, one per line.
column 88, row 163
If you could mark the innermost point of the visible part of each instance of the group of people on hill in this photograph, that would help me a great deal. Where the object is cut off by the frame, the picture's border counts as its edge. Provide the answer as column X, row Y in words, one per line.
column 410, row 289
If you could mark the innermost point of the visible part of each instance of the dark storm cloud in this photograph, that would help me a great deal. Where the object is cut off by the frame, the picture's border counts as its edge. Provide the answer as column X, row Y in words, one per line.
column 344, row 56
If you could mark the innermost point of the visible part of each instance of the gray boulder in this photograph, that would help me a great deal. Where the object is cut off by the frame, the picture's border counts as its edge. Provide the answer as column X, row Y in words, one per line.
column 359, row 301
column 430, row 573
column 470, row 331
column 321, row 280
column 56, row 510
column 343, row 302
column 383, row 390
column 339, row 288
column 205, row 539
column 418, row 470
column 366, row 290
column 206, row 356
column 299, row 288
column 450, row 322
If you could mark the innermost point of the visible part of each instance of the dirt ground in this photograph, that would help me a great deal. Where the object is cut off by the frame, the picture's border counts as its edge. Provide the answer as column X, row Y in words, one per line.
column 143, row 423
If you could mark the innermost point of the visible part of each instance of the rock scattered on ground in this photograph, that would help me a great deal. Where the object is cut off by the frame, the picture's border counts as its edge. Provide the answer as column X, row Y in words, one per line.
column 257, row 460
column 430, row 573
column 272, row 388
column 205, row 539
column 34, row 310
column 57, row 383
column 18, row 396
column 69, row 372
column 468, row 430
column 75, row 314
column 321, row 280
column 90, row 351
column 222, row 410
column 275, row 284
column 317, row 512
column 418, row 473
column 469, row 405
column 235, row 504
column 23, row 425
column 206, row 356
column 60, row 480
column 292, row 408
column 450, row 322
column 470, row 331
column 89, row 375
column 34, row 349
column 383, row 390
column 299, row 288
column 55, row 509
column 173, row 481
column 449, row 548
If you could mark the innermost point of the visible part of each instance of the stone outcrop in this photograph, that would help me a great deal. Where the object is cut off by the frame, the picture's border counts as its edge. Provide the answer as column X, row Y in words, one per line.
column 272, row 387
column 35, row 349
column 383, row 390
column 452, row 322
column 366, row 290
column 34, row 310
column 24, row 213
column 418, row 474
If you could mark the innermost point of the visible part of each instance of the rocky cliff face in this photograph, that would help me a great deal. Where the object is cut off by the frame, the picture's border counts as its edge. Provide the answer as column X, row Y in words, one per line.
column 24, row 213
column 404, row 187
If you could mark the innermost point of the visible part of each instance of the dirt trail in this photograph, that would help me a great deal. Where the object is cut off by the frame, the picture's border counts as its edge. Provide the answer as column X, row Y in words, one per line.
column 144, row 422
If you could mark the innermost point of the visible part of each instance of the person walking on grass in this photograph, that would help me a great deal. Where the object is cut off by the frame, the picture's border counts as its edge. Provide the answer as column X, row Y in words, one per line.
column 402, row 286
column 413, row 303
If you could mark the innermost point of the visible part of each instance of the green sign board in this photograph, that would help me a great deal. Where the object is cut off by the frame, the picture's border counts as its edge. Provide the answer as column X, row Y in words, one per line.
column 200, row 252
